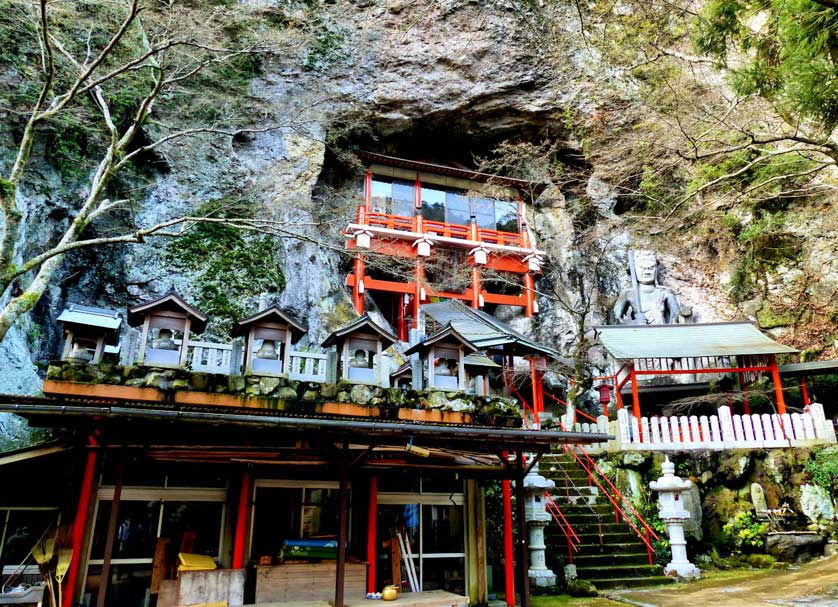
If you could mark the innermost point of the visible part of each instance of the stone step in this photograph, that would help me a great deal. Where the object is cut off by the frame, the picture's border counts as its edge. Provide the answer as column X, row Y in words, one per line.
column 605, row 528
column 625, row 537
column 588, row 561
column 618, row 571
column 608, row 548
column 629, row 582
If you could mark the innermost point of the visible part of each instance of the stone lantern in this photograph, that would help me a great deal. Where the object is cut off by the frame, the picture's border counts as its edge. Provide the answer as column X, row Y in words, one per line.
column 88, row 333
column 269, row 334
column 671, row 491
column 537, row 518
column 359, row 347
column 444, row 355
column 167, row 324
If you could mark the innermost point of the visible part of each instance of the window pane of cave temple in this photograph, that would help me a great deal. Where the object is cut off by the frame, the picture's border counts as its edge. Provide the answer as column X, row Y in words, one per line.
column 403, row 194
column 507, row 216
column 382, row 194
column 433, row 204
column 457, row 208
column 483, row 210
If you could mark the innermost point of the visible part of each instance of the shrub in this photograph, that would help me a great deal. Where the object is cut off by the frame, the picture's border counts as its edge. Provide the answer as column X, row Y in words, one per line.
column 744, row 533
column 824, row 468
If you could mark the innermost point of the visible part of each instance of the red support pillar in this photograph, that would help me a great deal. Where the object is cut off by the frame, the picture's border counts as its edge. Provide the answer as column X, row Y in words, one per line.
column 746, row 404
column 241, row 522
column 357, row 292
column 372, row 522
column 367, row 191
column 529, row 295
column 508, row 548
column 805, row 389
column 635, row 396
column 80, row 522
column 778, row 386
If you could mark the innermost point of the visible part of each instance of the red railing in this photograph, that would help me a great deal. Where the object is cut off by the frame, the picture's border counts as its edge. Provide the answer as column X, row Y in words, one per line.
column 449, row 230
column 616, row 498
column 526, row 407
column 560, row 520
column 576, row 411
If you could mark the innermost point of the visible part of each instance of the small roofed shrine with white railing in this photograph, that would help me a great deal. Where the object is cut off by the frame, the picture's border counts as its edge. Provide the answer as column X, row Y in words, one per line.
column 648, row 360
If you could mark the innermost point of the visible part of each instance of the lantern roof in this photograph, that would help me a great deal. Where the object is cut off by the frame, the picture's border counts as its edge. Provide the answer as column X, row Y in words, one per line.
column 271, row 314
column 170, row 302
column 448, row 334
column 363, row 324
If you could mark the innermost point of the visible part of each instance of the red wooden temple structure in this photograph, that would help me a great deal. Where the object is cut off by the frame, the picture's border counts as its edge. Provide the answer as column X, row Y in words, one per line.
column 691, row 351
column 417, row 213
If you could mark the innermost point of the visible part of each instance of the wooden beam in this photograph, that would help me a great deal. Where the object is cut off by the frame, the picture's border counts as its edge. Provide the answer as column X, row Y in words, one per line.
column 343, row 525
column 523, row 556
column 111, row 534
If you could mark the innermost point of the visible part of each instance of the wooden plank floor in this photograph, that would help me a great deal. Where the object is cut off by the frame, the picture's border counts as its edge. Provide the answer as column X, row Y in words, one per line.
column 435, row 598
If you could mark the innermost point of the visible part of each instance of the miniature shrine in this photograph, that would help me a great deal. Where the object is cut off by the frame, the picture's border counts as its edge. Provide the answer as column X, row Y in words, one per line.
column 88, row 332
column 270, row 333
column 167, row 324
column 359, row 348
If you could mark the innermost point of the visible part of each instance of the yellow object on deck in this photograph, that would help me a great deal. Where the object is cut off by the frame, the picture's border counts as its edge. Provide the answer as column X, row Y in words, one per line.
column 195, row 562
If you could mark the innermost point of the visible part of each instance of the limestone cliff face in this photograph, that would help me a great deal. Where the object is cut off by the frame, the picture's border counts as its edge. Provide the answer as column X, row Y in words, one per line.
column 443, row 81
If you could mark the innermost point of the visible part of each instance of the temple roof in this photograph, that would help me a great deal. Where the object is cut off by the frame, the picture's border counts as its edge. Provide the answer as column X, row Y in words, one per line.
column 272, row 314
column 364, row 322
column 171, row 301
column 630, row 342
column 815, row 367
column 484, row 330
column 91, row 317
column 447, row 334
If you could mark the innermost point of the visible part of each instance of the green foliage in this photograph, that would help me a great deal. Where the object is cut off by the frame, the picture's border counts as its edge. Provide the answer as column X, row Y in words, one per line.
column 744, row 533
column 785, row 51
column 229, row 265
column 329, row 46
column 824, row 468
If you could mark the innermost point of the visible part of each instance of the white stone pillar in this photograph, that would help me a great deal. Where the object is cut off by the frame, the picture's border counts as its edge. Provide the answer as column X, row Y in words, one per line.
column 538, row 518
column 671, row 491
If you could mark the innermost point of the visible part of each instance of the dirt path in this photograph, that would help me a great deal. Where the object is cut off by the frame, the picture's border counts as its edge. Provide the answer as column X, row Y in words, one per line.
column 812, row 585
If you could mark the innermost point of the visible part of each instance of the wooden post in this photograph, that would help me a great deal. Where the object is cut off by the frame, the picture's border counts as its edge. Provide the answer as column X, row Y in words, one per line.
column 635, row 396
column 143, row 340
column 805, row 390
column 367, row 193
column 461, row 369
column 184, row 345
column 286, row 355
column 430, row 368
column 778, row 386
column 100, row 350
column 746, row 405
column 523, row 557
column 535, row 400
column 105, row 576
column 241, row 522
column 508, row 550
column 68, row 345
column 529, row 295
column 357, row 295
column 80, row 522
column 340, row 573
column 372, row 528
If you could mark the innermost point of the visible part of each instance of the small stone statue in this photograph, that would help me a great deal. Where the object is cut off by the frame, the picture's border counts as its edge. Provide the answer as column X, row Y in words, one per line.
column 80, row 353
column 360, row 360
column 164, row 341
column 658, row 305
column 443, row 367
column 267, row 350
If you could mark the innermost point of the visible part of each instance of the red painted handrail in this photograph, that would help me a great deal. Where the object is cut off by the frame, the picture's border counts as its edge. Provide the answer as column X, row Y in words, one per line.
column 573, row 542
column 590, row 466
column 577, row 411
column 526, row 406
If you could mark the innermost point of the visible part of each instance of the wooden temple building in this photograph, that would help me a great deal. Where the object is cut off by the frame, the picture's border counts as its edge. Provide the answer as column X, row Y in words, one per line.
column 242, row 476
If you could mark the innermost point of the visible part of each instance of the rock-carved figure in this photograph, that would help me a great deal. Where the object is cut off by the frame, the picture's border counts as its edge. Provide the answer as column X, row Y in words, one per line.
column 164, row 341
column 658, row 305
column 267, row 351
column 360, row 360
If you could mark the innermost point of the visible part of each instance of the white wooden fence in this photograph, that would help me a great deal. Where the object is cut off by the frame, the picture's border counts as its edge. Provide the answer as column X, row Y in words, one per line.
column 713, row 432
column 226, row 359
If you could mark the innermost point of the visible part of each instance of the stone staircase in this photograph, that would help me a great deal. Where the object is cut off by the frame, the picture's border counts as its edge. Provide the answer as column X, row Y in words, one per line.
column 611, row 555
